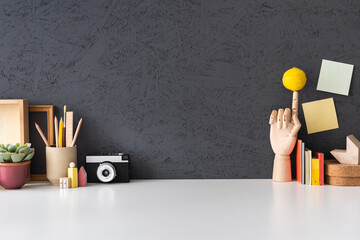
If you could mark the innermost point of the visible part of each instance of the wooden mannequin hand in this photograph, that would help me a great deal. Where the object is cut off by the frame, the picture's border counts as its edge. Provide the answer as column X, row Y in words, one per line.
column 283, row 135
column 283, row 131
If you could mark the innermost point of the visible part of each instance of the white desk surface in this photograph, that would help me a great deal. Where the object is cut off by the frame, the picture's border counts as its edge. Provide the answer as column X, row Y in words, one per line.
column 181, row 209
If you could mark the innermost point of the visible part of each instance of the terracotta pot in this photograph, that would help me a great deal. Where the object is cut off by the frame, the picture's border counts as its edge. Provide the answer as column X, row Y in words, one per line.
column 57, row 162
column 14, row 175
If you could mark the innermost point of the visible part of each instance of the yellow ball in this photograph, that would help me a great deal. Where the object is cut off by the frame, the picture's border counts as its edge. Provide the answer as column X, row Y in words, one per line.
column 294, row 79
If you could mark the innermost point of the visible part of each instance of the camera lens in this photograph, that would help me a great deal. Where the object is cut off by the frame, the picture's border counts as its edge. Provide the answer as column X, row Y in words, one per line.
column 106, row 172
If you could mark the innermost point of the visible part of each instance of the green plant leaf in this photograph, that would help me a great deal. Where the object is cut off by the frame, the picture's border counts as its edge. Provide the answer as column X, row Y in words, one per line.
column 29, row 157
column 12, row 148
column 25, row 150
column 20, row 147
column 5, row 156
column 17, row 157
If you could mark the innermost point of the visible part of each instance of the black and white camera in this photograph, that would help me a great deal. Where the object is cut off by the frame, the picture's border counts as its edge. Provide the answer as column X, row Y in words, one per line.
column 108, row 168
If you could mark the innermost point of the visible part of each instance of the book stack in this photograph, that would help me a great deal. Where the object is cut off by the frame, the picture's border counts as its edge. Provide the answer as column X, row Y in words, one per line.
column 309, row 165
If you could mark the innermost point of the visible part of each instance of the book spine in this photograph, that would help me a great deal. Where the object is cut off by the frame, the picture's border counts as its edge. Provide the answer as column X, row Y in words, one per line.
column 321, row 168
column 303, row 163
column 320, row 156
column 310, row 165
column 308, row 157
column 298, row 161
column 307, row 168
column 315, row 173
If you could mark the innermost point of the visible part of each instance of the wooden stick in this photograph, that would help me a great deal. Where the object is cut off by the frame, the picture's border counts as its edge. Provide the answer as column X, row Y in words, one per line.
column 69, row 128
column 76, row 133
column 295, row 103
column 56, row 131
column 42, row 135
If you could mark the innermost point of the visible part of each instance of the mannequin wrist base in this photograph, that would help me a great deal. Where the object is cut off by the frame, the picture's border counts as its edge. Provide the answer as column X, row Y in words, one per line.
column 282, row 168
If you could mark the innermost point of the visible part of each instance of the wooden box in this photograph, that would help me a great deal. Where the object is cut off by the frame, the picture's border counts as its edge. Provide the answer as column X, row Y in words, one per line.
column 14, row 121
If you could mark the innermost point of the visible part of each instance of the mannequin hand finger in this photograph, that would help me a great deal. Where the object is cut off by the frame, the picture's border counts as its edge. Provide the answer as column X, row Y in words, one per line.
column 286, row 118
column 273, row 117
column 280, row 118
column 297, row 126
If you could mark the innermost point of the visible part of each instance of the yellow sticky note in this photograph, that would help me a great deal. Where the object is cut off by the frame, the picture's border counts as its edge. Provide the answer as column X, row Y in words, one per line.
column 320, row 115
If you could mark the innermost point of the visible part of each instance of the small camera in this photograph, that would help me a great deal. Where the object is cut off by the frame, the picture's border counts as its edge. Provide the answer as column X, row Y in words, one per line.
column 108, row 168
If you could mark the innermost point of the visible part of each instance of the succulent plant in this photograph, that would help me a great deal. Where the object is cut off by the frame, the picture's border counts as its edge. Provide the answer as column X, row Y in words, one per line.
column 13, row 153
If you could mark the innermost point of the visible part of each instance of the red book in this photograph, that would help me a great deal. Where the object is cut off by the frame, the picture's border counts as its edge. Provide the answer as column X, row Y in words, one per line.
column 320, row 156
column 298, row 161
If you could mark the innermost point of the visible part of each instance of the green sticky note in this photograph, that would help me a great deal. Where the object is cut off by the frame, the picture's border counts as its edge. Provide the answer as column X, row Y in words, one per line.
column 335, row 77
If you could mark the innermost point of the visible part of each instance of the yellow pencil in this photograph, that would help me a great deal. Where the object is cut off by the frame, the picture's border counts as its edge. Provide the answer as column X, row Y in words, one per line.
column 61, row 125
column 56, row 131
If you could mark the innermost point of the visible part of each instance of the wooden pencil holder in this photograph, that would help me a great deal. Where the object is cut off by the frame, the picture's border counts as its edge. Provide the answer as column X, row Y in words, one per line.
column 57, row 162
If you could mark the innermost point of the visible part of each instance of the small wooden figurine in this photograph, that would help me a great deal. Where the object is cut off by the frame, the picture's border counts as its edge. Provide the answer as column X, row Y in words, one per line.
column 284, row 126
column 73, row 175
column 82, row 177
column 64, row 182
column 352, row 153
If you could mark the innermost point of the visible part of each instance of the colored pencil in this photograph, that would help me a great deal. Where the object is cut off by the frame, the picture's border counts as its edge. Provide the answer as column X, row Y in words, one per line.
column 64, row 128
column 56, row 131
column 61, row 126
column 76, row 133
column 42, row 134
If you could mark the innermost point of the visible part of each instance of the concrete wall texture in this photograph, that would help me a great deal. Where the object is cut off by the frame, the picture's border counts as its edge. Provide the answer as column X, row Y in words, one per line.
column 186, row 87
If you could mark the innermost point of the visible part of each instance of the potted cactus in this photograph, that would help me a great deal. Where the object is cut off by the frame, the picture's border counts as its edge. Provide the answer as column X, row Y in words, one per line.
column 15, row 164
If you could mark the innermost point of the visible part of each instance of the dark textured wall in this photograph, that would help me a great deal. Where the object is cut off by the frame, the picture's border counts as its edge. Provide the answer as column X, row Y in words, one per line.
column 185, row 86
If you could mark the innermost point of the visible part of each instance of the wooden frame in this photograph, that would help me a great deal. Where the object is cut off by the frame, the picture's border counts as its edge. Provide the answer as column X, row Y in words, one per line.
column 49, row 110
column 22, row 113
